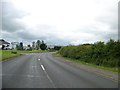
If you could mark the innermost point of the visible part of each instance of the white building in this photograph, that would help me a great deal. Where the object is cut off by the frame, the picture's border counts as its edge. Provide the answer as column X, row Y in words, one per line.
column 4, row 45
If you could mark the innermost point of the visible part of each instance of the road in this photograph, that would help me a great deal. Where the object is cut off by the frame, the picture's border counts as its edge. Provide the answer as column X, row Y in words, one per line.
column 42, row 70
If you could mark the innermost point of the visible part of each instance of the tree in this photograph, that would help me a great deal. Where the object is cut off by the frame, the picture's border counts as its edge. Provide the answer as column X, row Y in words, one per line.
column 57, row 47
column 33, row 45
column 43, row 46
column 21, row 46
column 42, row 42
column 17, row 47
column 38, row 43
column 29, row 48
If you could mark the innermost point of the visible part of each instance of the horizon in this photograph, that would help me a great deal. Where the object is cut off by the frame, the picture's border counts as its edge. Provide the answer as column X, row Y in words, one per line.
column 30, row 43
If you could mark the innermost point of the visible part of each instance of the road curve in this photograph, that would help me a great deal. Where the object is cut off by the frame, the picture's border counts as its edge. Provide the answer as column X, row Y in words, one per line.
column 42, row 70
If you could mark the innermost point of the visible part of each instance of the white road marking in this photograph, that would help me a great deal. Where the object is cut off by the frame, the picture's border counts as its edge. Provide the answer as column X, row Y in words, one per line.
column 42, row 67
column 50, row 79
column 30, row 76
column 34, row 66
column 39, row 59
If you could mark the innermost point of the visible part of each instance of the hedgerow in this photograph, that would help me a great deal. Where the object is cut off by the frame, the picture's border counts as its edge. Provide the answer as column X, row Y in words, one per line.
column 99, row 53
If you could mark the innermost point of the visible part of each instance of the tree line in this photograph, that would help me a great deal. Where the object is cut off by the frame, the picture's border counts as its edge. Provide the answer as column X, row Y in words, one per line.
column 35, row 46
column 99, row 53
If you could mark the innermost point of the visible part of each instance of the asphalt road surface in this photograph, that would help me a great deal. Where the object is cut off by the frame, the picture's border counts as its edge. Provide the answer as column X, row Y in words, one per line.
column 42, row 70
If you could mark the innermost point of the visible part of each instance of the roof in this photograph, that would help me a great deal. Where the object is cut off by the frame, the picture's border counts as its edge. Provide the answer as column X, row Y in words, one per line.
column 3, row 42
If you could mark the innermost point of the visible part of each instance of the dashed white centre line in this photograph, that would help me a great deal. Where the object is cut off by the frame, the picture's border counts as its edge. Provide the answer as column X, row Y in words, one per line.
column 42, row 67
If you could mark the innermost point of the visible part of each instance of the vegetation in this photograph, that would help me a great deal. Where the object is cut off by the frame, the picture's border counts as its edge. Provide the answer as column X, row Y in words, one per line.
column 20, row 46
column 57, row 47
column 38, row 43
column 5, row 54
column 43, row 46
column 33, row 45
column 99, row 53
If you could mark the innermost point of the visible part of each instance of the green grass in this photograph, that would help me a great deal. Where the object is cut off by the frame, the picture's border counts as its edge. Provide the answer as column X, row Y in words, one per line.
column 115, row 70
column 5, row 54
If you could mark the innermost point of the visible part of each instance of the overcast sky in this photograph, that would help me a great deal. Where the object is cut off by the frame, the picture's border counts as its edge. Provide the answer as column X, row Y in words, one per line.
column 59, row 22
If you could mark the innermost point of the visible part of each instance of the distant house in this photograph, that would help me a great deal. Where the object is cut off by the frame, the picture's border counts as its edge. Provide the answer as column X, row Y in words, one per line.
column 4, row 45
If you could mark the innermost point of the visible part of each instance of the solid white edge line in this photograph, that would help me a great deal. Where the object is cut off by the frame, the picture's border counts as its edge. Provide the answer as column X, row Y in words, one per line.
column 42, row 67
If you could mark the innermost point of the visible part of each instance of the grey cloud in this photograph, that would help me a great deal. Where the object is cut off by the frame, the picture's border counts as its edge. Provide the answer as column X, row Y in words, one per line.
column 57, row 41
column 111, row 21
column 111, row 35
column 9, row 36
column 119, row 20
column 15, row 30
column 110, row 18
column 49, row 39
column 10, row 17
column 44, row 27
column 28, row 36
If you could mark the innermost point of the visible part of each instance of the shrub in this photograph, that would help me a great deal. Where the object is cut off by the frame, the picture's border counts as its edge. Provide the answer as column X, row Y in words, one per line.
column 98, row 53
column 13, row 52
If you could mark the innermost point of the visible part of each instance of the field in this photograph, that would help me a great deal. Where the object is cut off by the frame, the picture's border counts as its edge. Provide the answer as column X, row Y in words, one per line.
column 5, row 54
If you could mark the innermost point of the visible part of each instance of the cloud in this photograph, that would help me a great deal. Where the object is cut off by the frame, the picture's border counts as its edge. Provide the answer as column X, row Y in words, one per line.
column 10, row 17
column 119, row 20
column 60, row 22
column 29, row 36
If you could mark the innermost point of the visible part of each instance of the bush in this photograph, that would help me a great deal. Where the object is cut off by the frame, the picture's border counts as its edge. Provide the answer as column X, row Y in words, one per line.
column 98, row 53
column 13, row 52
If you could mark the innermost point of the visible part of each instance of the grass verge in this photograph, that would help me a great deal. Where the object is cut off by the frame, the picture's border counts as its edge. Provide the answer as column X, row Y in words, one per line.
column 5, row 54
column 115, row 70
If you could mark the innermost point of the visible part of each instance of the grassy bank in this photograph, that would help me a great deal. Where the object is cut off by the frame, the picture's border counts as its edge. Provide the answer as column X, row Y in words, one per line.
column 5, row 54
column 113, row 69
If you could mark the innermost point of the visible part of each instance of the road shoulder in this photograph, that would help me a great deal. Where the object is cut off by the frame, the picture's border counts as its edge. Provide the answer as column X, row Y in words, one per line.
column 100, row 72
